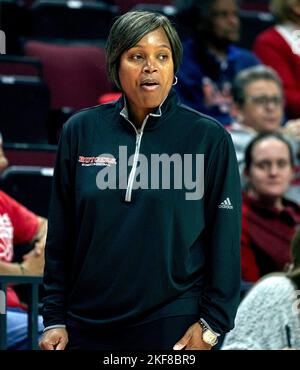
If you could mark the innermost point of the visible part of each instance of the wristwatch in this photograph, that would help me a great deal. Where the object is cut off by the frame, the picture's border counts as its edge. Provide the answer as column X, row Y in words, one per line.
column 208, row 335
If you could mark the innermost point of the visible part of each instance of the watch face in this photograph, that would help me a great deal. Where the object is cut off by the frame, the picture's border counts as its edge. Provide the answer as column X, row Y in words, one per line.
column 209, row 337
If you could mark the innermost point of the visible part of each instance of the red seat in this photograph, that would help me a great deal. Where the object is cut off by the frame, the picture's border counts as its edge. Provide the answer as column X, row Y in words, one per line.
column 75, row 74
column 20, row 66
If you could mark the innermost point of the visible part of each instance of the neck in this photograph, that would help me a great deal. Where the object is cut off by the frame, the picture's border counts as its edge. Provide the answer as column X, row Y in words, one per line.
column 137, row 118
column 219, row 52
column 267, row 201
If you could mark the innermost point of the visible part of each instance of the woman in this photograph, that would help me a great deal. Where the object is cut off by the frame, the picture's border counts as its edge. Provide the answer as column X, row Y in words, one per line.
column 278, row 47
column 211, row 58
column 268, row 317
column 132, row 263
column 268, row 220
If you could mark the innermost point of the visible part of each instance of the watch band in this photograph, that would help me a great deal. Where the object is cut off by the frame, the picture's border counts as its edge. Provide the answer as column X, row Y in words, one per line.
column 208, row 335
column 202, row 322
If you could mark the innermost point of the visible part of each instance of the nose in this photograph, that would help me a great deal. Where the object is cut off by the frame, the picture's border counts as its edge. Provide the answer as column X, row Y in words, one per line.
column 149, row 66
column 274, row 170
column 271, row 105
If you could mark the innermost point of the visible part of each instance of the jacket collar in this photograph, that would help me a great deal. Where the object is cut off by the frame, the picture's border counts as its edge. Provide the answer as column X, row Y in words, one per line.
column 155, row 118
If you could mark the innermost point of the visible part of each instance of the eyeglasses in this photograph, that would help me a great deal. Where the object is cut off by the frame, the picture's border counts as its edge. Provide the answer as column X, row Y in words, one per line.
column 264, row 100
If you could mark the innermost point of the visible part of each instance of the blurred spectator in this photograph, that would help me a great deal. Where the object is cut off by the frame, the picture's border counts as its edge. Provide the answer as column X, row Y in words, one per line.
column 279, row 47
column 211, row 60
column 269, row 220
column 19, row 226
column 259, row 108
column 3, row 159
column 268, row 317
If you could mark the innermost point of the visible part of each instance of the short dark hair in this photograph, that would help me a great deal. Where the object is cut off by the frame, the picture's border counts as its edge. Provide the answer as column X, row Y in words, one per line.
column 128, row 30
column 260, row 137
column 248, row 75
column 199, row 15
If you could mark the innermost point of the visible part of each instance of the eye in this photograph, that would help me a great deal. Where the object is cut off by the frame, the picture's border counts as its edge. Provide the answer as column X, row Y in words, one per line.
column 263, row 165
column 163, row 56
column 283, row 163
column 136, row 57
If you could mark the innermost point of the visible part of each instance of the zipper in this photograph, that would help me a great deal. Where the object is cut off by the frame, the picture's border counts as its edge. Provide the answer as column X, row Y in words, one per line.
column 139, row 134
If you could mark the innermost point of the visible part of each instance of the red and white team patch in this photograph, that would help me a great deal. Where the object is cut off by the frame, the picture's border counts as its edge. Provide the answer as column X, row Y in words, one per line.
column 97, row 161
column 6, row 238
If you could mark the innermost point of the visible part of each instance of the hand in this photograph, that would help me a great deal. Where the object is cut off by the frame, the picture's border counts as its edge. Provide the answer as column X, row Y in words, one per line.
column 39, row 246
column 33, row 263
column 192, row 339
column 54, row 339
column 38, row 249
column 291, row 128
column 40, row 237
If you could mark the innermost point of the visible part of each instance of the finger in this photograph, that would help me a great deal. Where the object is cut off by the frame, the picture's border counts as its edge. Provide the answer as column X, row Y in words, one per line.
column 45, row 345
column 25, row 257
column 38, row 248
column 182, row 342
column 62, row 344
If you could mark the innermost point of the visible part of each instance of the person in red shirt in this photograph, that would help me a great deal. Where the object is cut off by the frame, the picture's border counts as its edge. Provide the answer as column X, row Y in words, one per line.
column 268, row 220
column 3, row 159
column 279, row 48
column 19, row 225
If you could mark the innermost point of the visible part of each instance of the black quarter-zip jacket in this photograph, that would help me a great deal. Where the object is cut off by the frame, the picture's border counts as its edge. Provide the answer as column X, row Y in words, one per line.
column 127, row 255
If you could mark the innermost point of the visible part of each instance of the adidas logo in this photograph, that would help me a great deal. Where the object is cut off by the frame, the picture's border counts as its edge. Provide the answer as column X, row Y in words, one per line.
column 226, row 204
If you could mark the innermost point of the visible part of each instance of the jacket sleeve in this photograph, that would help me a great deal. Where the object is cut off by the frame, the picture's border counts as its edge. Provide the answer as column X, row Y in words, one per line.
column 221, row 296
column 60, row 240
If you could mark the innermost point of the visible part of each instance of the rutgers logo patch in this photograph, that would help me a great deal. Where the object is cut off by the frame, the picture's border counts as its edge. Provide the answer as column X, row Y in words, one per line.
column 101, row 160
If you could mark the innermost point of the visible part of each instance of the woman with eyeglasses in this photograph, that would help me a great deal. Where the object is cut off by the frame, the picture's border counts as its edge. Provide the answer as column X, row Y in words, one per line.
column 269, row 220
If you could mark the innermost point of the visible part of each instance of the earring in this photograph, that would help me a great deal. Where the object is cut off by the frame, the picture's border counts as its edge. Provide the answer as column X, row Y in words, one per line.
column 175, row 80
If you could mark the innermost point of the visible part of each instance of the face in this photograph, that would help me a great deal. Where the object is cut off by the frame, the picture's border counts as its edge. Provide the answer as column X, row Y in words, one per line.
column 263, row 108
column 225, row 20
column 270, row 172
column 146, row 73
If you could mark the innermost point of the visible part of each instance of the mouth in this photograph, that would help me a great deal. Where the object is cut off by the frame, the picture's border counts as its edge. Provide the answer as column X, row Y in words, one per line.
column 272, row 121
column 149, row 84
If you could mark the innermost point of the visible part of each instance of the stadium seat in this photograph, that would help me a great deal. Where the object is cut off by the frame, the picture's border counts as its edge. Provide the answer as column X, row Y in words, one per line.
column 75, row 74
column 126, row 5
column 30, row 154
column 29, row 185
column 24, row 107
column 71, row 19
column 15, row 21
column 20, row 66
